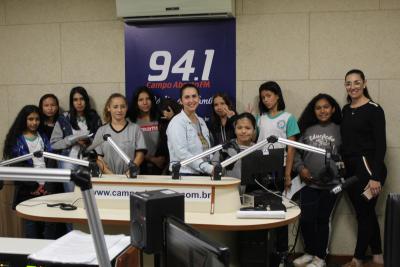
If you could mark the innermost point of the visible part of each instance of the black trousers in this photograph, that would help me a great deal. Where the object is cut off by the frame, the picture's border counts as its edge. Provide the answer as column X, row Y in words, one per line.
column 316, row 210
column 368, row 233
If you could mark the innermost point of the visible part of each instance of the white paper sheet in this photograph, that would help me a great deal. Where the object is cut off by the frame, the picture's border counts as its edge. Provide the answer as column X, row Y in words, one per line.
column 77, row 247
column 297, row 184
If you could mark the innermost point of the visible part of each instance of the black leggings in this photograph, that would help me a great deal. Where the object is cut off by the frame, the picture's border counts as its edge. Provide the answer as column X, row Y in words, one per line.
column 316, row 209
column 368, row 228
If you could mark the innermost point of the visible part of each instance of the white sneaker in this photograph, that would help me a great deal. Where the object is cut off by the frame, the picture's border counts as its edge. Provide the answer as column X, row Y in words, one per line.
column 303, row 260
column 316, row 262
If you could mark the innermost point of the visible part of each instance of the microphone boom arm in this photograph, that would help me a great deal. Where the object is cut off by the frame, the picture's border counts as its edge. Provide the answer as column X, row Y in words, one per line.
column 273, row 139
column 16, row 160
column 270, row 140
column 40, row 153
column 133, row 169
column 176, row 167
column 82, row 179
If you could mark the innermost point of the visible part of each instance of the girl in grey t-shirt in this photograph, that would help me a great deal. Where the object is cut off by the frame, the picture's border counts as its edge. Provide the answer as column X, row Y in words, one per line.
column 319, row 124
column 125, row 134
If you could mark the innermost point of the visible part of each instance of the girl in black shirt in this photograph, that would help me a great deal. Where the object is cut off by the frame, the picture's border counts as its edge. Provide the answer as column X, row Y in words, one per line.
column 222, row 118
column 363, row 152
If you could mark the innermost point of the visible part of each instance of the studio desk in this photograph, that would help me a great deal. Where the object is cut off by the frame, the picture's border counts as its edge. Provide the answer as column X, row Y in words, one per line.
column 210, row 206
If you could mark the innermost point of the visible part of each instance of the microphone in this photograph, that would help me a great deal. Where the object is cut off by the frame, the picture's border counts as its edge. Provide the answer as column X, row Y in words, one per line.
column 217, row 173
column 177, row 166
column 99, row 142
column 90, row 153
column 228, row 144
column 272, row 139
column 346, row 184
column 105, row 137
column 133, row 169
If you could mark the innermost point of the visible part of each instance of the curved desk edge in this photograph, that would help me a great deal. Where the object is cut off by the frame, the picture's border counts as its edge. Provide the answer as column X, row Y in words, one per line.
column 68, row 220
column 267, row 225
column 200, row 221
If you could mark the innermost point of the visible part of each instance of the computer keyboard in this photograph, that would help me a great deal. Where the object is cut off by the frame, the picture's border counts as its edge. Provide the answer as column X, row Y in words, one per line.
column 261, row 214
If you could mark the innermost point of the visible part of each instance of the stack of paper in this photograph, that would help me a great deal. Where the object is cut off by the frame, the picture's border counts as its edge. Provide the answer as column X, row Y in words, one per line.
column 77, row 247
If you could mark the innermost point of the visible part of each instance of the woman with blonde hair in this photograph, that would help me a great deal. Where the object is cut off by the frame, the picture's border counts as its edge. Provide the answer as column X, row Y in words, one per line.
column 125, row 134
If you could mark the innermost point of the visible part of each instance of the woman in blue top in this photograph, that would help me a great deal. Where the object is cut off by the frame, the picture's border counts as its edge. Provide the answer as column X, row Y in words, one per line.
column 188, row 134
column 24, row 138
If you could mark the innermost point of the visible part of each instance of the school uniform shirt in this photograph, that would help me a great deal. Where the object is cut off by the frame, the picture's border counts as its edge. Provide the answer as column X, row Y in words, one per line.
column 130, row 140
column 283, row 125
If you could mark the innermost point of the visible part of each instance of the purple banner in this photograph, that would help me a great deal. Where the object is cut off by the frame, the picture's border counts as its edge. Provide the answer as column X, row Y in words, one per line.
column 165, row 56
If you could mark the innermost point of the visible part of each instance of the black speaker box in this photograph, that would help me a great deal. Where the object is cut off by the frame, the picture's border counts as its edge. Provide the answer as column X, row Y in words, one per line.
column 148, row 210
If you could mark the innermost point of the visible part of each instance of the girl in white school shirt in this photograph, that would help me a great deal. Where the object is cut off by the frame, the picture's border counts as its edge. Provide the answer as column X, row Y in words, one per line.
column 274, row 120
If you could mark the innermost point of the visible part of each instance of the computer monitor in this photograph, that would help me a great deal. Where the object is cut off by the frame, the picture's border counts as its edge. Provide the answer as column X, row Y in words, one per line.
column 187, row 247
column 266, row 168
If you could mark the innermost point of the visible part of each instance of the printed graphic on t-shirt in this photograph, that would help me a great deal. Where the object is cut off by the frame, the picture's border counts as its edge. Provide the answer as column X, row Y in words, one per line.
column 321, row 140
column 281, row 124
column 149, row 127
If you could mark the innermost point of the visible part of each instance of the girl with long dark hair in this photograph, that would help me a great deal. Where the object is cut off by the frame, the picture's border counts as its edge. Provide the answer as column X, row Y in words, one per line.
column 143, row 111
column 274, row 120
column 222, row 118
column 23, row 138
column 320, row 127
column 73, row 128
column 49, row 112
column 168, row 109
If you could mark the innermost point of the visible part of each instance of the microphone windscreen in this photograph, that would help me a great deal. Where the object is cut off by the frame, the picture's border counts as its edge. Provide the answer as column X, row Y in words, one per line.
column 349, row 182
column 272, row 139
column 106, row 136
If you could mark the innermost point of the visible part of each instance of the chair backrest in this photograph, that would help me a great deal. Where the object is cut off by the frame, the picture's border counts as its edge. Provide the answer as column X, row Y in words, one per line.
column 392, row 231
